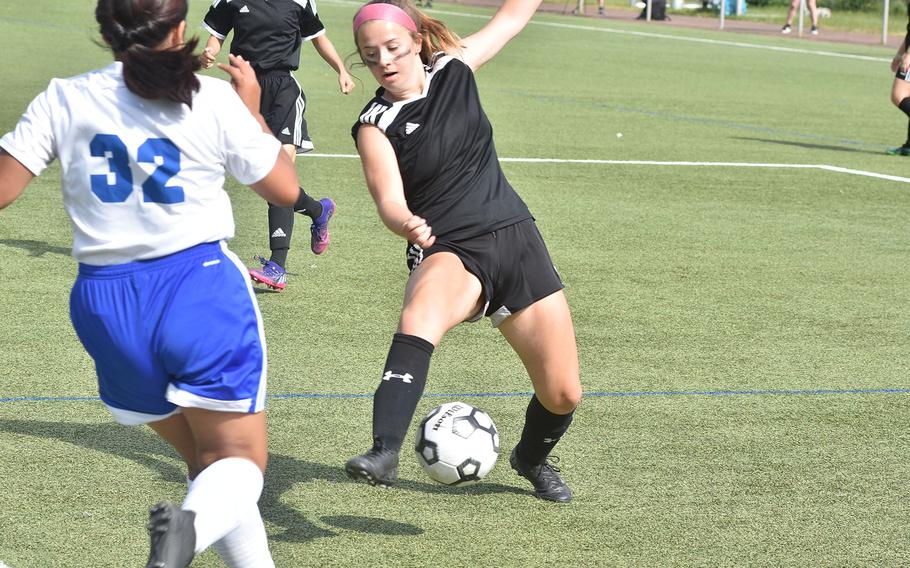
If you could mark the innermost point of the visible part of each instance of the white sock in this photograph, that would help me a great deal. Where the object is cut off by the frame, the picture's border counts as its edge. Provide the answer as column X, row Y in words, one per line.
column 247, row 545
column 220, row 496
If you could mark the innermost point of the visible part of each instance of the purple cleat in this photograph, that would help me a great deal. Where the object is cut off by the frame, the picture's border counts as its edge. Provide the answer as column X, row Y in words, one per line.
column 319, row 230
column 271, row 274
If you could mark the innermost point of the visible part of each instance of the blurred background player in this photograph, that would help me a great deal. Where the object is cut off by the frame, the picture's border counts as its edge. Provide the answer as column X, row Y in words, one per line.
column 431, row 167
column 268, row 34
column 900, row 90
column 144, row 145
column 813, row 14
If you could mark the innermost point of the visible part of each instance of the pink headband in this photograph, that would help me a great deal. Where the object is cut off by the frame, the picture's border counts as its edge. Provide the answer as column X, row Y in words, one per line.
column 383, row 11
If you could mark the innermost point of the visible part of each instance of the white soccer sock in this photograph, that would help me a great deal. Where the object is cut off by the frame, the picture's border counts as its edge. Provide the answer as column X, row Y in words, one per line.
column 220, row 496
column 246, row 546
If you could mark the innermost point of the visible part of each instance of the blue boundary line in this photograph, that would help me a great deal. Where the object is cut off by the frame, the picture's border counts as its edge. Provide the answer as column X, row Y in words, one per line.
column 781, row 392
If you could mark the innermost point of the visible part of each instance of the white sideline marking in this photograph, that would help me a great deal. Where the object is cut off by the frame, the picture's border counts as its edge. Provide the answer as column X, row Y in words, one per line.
column 825, row 167
column 688, row 38
column 666, row 36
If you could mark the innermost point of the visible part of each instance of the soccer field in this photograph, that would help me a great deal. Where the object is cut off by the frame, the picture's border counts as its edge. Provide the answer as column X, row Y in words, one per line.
column 736, row 251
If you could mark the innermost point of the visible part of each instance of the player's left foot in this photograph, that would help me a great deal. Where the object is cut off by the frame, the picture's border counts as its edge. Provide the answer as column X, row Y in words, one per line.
column 173, row 536
column 814, row 30
column 271, row 274
column 899, row 151
column 319, row 230
column 544, row 476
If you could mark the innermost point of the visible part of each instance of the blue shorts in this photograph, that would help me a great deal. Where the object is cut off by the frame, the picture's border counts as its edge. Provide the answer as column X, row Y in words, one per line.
column 183, row 330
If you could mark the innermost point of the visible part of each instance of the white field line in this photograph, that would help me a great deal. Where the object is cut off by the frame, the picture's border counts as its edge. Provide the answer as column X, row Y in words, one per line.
column 825, row 167
column 663, row 36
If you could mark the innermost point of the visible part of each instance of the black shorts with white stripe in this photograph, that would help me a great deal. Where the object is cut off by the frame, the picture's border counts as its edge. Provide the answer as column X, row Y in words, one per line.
column 282, row 105
column 512, row 264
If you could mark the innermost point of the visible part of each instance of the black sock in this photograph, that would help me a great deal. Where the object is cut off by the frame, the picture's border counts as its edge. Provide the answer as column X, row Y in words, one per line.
column 402, row 384
column 541, row 431
column 281, row 225
column 905, row 106
column 308, row 206
column 279, row 257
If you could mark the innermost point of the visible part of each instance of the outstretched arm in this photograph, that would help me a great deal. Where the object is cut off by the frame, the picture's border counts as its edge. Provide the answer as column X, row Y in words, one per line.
column 13, row 178
column 510, row 19
column 327, row 51
column 380, row 168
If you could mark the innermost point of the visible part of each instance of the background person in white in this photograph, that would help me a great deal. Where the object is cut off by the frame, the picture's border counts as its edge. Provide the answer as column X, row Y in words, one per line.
column 144, row 145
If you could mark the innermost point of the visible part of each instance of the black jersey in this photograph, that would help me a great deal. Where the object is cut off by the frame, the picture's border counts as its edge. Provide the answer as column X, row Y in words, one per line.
column 444, row 145
column 267, row 33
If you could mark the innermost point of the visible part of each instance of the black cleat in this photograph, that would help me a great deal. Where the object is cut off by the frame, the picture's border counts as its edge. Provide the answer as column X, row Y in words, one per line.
column 379, row 466
column 173, row 536
column 545, row 478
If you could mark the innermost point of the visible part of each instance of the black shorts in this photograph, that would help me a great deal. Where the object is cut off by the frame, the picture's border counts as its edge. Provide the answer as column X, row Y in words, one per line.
column 905, row 75
column 512, row 264
column 282, row 106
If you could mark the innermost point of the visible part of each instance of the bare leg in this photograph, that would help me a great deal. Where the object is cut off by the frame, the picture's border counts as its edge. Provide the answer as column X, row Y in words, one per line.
column 226, row 455
column 543, row 336
column 440, row 294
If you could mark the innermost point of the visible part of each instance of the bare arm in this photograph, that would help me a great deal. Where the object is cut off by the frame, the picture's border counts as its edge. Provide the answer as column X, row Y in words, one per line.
column 510, row 19
column 380, row 168
column 279, row 186
column 211, row 51
column 13, row 178
column 326, row 50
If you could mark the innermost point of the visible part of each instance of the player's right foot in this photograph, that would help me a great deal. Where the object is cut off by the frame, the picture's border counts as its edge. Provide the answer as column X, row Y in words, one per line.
column 899, row 151
column 544, row 476
column 786, row 29
column 379, row 466
column 173, row 536
column 271, row 274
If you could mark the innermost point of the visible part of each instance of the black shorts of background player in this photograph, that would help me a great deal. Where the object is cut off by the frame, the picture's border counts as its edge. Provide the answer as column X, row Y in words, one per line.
column 432, row 170
column 268, row 34
column 900, row 90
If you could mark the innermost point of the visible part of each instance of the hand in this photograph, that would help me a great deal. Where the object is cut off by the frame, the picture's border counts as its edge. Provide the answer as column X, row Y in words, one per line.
column 896, row 61
column 207, row 58
column 345, row 82
column 418, row 232
column 904, row 63
column 243, row 79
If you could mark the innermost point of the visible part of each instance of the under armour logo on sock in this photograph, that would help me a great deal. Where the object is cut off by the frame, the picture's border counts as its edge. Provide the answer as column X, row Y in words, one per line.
column 406, row 378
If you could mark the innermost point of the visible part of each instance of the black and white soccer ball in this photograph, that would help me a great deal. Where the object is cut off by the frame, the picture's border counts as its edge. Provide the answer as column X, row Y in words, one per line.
column 457, row 444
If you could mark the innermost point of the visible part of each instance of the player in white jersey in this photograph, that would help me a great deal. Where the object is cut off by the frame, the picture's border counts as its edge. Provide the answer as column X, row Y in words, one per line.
column 165, row 310
column 474, row 250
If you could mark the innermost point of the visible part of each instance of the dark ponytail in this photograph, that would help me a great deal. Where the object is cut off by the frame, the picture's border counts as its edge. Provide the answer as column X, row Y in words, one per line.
column 135, row 30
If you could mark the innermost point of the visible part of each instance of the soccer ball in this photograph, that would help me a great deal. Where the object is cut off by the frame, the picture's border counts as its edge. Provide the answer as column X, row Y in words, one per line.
column 457, row 444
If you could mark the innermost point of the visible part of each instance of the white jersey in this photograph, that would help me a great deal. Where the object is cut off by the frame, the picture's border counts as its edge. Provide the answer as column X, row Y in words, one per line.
column 141, row 178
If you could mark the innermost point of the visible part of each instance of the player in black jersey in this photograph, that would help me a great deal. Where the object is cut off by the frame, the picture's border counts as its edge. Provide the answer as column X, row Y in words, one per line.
column 268, row 33
column 473, row 248
column 900, row 91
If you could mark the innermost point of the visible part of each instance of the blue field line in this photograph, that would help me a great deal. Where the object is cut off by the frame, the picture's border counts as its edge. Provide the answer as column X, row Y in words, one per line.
column 454, row 395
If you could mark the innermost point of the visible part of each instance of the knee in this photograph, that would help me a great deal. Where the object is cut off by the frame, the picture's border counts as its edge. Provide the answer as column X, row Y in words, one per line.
column 205, row 458
column 562, row 401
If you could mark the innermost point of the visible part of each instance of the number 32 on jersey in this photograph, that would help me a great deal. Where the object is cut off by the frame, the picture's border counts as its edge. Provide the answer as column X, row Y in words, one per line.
column 116, row 185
